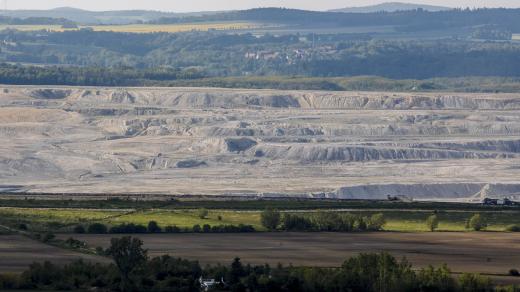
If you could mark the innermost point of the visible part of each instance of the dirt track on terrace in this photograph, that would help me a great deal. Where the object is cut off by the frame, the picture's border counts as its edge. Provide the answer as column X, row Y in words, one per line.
column 487, row 253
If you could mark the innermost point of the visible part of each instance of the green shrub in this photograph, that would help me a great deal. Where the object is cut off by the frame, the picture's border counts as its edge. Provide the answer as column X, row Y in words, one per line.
column 74, row 243
column 79, row 229
column 270, row 219
column 475, row 282
column 333, row 222
column 97, row 228
column 513, row 228
column 128, row 229
column 153, row 227
column 440, row 279
column 232, row 228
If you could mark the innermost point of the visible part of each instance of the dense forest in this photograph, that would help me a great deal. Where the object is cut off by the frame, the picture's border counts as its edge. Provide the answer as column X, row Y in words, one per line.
column 127, row 76
column 416, row 20
column 214, row 54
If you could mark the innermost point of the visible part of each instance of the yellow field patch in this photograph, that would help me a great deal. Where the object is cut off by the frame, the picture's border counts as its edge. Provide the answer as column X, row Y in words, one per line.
column 145, row 28
column 32, row 27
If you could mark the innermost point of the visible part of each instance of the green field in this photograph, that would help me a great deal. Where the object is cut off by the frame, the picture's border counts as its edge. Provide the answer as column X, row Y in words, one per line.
column 144, row 28
column 188, row 218
column 54, row 218
column 64, row 219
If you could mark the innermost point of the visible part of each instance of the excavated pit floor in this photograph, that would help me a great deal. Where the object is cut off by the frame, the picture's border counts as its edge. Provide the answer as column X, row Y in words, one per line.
column 265, row 143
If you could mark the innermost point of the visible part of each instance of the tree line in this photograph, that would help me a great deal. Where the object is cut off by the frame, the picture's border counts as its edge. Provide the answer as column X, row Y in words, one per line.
column 153, row 227
column 35, row 21
column 91, row 76
column 322, row 221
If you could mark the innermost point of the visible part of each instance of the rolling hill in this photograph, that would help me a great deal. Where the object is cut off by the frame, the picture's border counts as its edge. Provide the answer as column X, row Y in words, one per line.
column 99, row 17
column 391, row 7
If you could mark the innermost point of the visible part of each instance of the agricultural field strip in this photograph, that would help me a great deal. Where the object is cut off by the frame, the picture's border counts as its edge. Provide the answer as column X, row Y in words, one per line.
column 397, row 220
column 37, row 214
column 144, row 28
column 18, row 252
column 70, row 209
column 462, row 251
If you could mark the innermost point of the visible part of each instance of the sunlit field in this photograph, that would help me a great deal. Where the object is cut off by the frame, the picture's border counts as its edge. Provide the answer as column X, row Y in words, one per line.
column 61, row 219
column 144, row 28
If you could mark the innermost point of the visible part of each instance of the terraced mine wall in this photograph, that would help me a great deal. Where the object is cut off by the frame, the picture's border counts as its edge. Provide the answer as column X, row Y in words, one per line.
column 259, row 143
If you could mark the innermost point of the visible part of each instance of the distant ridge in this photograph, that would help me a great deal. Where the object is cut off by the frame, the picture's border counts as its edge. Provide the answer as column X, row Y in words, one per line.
column 391, row 7
column 100, row 17
column 67, row 9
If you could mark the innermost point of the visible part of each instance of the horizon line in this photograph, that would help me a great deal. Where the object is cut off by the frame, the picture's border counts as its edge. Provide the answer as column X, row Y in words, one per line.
column 258, row 7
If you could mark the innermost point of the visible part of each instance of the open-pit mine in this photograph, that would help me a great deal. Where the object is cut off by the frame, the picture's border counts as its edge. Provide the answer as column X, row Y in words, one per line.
column 259, row 143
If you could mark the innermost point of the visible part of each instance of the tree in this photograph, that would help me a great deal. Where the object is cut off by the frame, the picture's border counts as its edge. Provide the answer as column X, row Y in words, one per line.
column 270, row 218
column 376, row 272
column 237, row 271
column 292, row 222
column 153, row 227
column 129, row 255
column 432, row 222
column 477, row 223
column 202, row 213
column 196, row 228
column 376, row 222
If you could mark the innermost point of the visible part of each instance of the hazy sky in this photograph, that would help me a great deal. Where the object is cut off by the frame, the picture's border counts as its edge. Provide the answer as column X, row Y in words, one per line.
column 212, row 5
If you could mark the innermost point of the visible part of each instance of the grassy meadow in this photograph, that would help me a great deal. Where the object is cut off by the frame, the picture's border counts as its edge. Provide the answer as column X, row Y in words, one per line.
column 64, row 219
